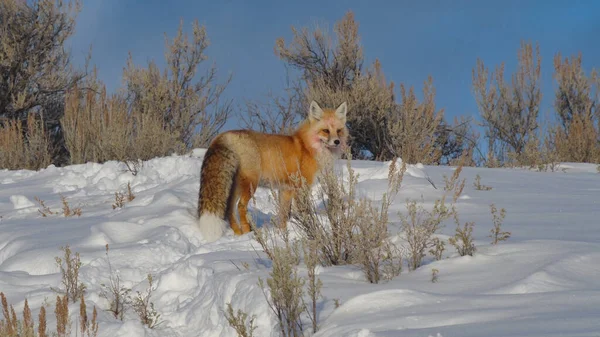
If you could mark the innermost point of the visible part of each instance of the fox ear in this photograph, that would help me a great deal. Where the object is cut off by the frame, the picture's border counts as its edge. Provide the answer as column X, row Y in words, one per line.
column 341, row 111
column 315, row 112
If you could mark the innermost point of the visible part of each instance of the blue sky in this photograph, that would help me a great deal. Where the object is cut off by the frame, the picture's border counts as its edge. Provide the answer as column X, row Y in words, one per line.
column 412, row 39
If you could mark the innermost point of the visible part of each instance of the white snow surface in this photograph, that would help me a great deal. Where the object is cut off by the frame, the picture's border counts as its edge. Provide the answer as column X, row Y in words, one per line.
column 544, row 281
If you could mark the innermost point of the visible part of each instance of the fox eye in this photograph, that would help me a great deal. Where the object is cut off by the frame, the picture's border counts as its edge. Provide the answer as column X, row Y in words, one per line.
column 339, row 130
column 326, row 131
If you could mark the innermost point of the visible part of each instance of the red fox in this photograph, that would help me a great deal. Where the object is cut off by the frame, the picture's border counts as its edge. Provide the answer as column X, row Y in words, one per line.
column 239, row 161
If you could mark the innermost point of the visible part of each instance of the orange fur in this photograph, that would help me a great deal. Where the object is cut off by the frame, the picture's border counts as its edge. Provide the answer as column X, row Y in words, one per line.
column 238, row 162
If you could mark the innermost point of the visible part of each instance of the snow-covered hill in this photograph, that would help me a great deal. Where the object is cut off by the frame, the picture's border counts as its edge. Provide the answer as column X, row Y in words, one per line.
column 544, row 281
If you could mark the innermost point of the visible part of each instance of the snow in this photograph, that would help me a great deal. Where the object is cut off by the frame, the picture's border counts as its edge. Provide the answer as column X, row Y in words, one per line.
column 542, row 282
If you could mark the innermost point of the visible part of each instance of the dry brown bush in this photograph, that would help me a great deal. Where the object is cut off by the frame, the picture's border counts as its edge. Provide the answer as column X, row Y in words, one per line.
column 157, row 112
column 191, row 106
column 243, row 325
column 346, row 229
column 577, row 101
column 463, row 237
column 69, row 268
column 332, row 71
column 284, row 288
column 509, row 110
column 24, row 144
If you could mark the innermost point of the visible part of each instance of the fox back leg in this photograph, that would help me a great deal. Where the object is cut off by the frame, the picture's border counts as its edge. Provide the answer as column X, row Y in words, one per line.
column 247, row 186
column 233, row 202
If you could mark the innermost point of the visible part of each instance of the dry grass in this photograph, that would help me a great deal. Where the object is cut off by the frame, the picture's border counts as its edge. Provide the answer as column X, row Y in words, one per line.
column 311, row 260
column 115, row 292
column 434, row 275
column 24, row 144
column 497, row 234
column 12, row 326
column 43, row 210
column 67, row 211
column 438, row 247
column 243, row 326
column 121, row 199
column 284, row 289
column 144, row 308
column 479, row 186
column 69, row 266
column 419, row 225
column 87, row 327
column 463, row 237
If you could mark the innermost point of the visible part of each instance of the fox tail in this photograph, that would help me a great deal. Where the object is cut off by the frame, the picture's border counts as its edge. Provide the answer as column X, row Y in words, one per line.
column 217, row 181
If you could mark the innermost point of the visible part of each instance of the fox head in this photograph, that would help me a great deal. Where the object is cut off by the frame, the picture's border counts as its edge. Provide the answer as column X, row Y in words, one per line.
column 328, row 127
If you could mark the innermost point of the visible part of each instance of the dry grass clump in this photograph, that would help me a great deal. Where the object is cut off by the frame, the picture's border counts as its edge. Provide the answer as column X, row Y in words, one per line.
column 69, row 266
column 239, row 321
column 13, row 326
column 497, row 234
column 24, row 144
column 348, row 229
column 479, row 186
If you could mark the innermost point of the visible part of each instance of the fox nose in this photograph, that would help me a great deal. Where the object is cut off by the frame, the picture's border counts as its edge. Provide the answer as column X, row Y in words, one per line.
column 336, row 142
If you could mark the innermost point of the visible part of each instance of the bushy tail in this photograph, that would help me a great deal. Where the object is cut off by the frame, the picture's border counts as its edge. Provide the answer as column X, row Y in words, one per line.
column 219, row 168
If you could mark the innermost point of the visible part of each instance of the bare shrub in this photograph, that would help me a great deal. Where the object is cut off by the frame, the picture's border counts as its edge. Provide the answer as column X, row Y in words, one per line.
column 67, row 210
column 278, row 113
column 43, row 210
column 438, row 247
column 351, row 230
column 69, row 268
column 311, row 260
column 497, row 234
column 509, row 110
column 114, row 292
column 434, row 275
column 378, row 257
column 35, row 71
column 284, row 289
column 332, row 70
column 158, row 112
column 456, row 141
column 192, row 108
column 333, row 231
column 144, row 308
column 463, row 237
column 413, row 129
column 419, row 225
column 130, row 195
column 239, row 321
column 577, row 93
column 479, row 186
column 579, row 143
column 121, row 199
